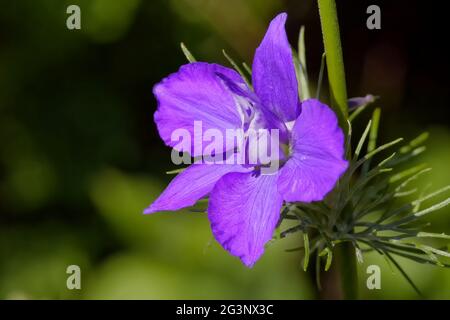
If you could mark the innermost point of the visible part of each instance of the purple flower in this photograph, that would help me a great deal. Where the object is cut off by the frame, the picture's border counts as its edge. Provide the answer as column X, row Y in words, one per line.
column 244, row 204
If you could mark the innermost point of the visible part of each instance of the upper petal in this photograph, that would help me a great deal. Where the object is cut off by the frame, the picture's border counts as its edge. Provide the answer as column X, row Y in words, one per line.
column 317, row 159
column 255, row 115
column 243, row 210
column 195, row 182
column 273, row 72
column 196, row 93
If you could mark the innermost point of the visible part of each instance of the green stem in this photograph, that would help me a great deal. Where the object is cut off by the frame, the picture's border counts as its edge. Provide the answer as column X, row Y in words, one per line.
column 335, row 62
column 338, row 93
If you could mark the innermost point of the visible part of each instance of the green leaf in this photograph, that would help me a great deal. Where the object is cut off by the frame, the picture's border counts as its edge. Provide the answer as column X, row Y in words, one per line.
column 415, row 142
column 329, row 253
column 374, row 130
column 318, row 284
column 434, row 250
column 382, row 163
column 320, row 78
column 298, row 73
column 187, row 53
column 362, row 140
column 306, row 246
column 433, row 235
column 291, row 230
column 373, row 136
column 176, row 171
column 381, row 148
column 431, row 195
column 236, row 67
column 415, row 215
column 303, row 77
column 348, row 141
column 371, row 154
column 357, row 112
column 406, row 173
column 412, row 178
column 433, row 208
column 408, row 156
column 404, row 274
column 247, row 68
column 428, row 250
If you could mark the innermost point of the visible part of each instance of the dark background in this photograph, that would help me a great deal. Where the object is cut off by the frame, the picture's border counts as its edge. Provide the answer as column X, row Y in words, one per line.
column 80, row 157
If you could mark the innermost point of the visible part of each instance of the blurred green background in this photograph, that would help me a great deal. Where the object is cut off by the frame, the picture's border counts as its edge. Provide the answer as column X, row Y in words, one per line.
column 80, row 157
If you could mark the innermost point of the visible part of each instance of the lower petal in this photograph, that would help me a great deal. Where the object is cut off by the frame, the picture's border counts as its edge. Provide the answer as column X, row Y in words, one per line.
column 243, row 210
column 193, row 183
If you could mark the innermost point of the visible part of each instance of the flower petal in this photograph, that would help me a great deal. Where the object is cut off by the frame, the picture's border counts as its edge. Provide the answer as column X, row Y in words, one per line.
column 195, row 182
column 243, row 210
column 317, row 159
column 196, row 93
column 273, row 72
column 358, row 102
